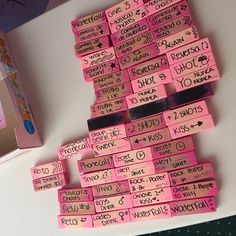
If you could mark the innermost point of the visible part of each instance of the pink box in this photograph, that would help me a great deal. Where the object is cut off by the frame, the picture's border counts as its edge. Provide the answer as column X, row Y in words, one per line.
column 195, row 190
column 190, row 127
column 108, row 107
column 135, row 170
column 75, row 195
column 111, row 189
column 100, row 70
column 77, row 208
column 145, row 125
column 132, row 157
column 148, row 67
column 75, row 149
column 95, row 164
column 129, row 32
column 107, row 134
column 179, row 161
column 111, row 218
column 150, row 182
column 149, row 81
column 197, row 78
column 113, row 203
column 191, row 174
column 195, row 206
column 146, row 96
column 111, row 80
column 3, row 123
column 151, row 138
column 185, row 113
column 173, row 147
column 49, row 182
column 75, row 222
column 138, row 56
column 147, row 213
column 128, row 19
column 99, row 177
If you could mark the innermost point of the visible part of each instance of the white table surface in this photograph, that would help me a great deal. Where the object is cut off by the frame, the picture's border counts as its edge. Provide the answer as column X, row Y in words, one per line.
column 60, row 101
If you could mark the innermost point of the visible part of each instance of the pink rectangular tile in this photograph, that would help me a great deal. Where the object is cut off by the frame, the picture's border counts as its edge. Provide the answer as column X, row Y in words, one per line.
column 190, row 127
column 3, row 123
column 75, row 222
column 77, row 208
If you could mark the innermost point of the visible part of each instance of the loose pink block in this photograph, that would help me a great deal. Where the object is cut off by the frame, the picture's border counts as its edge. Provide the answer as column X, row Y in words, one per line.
column 122, row 8
column 77, row 208
column 150, row 182
column 128, row 19
column 195, row 206
column 88, row 21
column 147, row 213
column 179, row 161
column 97, row 58
column 188, row 112
column 48, row 169
column 113, row 203
column 3, row 123
column 135, row 170
column 129, row 32
column 173, row 147
column 49, row 182
column 191, row 174
column 111, row 189
column 149, row 81
column 100, row 70
column 75, row 195
column 190, row 127
column 95, row 164
column 193, row 64
column 107, row 134
column 148, row 67
column 75, row 149
column 132, row 157
column 146, row 96
column 189, row 51
column 177, row 40
column 111, row 218
column 151, row 138
column 99, row 177
column 195, row 190
column 197, row 78
column 75, row 222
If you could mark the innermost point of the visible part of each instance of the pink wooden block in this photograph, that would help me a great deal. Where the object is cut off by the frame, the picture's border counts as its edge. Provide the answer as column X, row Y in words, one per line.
column 179, row 161
column 132, row 157
column 113, row 203
column 150, row 182
column 128, row 19
column 75, row 149
column 195, row 190
column 190, row 127
column 149, row 81
column 3, row 123
column 111, row 189
column 146, row 96
column 173, row 147
column 53, row 168
column 99, row 177
column 191, row 174
column 147, row 213
column 111, row 218
column 197, row 78
column 75, row 222
column 148, row 67
column 135, row 170
column 185, row 113
column 195, row 206
column 151, row 138
column 95, row 164
column 77, row 208
column 75, row 195
column 177, row 40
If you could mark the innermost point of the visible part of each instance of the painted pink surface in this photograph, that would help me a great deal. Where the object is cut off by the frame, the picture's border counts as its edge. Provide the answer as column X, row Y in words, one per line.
column 75, row 222
column 77, row 208
column 3, row 123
